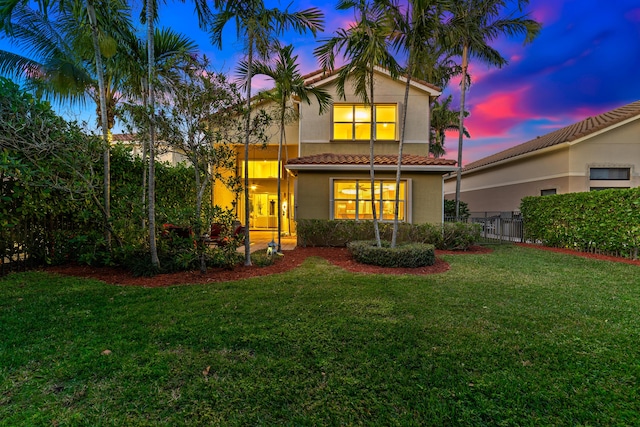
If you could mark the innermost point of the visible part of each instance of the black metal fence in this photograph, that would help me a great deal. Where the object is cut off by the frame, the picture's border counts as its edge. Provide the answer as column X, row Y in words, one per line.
column 27, row 245
column 497, row 227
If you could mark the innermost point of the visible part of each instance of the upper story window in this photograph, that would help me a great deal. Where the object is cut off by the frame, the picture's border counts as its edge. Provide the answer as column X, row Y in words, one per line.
column 610, row 174
column 261, row 169
column 352, row 122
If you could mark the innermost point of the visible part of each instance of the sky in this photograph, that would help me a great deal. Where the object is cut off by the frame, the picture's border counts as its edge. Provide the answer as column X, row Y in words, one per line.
column 585, row 61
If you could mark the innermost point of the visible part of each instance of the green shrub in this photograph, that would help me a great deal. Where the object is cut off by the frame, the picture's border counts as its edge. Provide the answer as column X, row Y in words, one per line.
column 452, row 236
column 406, row 255
column 261, row 259
column 450, row 209
column 600, row 221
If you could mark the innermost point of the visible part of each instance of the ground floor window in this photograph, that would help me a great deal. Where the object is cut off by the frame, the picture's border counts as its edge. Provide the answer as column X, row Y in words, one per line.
column 548, row 192
column 351, row 199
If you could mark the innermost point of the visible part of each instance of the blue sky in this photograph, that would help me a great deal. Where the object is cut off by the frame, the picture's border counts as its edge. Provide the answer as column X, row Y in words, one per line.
column 585, row 61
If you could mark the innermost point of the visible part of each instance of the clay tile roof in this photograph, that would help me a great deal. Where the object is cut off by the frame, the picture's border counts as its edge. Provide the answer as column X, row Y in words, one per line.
column 570, row 133
column 363, row 159
column 122, row 137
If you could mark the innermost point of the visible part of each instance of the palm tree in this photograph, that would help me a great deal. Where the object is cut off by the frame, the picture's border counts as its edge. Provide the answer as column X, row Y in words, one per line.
column 257, row 25
column 58, row 65
column 365, row 45
column 102, row 43
column 415, row 33
column 288, row 83
column 443, row 119
column 472, row 25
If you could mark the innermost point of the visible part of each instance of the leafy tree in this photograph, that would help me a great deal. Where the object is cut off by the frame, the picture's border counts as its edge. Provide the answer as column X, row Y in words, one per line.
column 46, row 152
column 471, row 26
column 200, row 120
column 102, row 45
column 365, row 45
column 288, row 84
column 257, row 26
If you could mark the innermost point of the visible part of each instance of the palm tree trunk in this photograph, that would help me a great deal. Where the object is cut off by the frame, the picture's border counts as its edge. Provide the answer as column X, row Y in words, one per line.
column 278, row 210
column 91, row 12
column 155, row 261
column 247, row 128
column 463, row 91
column 144, row 158
column 372, row 173
column 396, row 208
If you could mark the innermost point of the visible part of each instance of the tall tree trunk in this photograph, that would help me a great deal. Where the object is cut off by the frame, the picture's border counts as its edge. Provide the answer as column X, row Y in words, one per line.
column 144, row 158
column 396, row 208
column 279, row 209
column 247, row 128
column 463, row 91
column 93, row 22
column 372, row 173
column 155, row 261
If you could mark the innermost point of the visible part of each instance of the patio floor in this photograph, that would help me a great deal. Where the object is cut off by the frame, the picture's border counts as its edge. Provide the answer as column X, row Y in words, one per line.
column 260, row 240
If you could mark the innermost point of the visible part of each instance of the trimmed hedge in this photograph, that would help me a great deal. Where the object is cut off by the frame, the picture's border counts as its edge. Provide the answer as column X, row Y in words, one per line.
column 450, row 236
column 605, row 221
column 406, row 255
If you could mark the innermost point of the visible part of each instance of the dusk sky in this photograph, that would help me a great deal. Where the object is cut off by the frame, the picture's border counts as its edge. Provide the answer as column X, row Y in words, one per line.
column 585, row 61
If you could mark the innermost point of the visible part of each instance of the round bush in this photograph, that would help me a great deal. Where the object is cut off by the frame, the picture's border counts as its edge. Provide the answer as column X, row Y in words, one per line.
column 405, row 255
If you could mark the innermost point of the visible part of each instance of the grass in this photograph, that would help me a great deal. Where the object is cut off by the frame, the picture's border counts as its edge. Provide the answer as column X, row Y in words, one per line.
column 516, row 337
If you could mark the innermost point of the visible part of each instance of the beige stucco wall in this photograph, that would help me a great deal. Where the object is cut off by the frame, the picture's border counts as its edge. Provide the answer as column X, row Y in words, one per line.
column 317, row 129
column 314, row 201
column 564, row 167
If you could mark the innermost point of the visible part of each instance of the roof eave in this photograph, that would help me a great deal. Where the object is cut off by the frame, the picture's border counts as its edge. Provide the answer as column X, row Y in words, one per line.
column 384, row 168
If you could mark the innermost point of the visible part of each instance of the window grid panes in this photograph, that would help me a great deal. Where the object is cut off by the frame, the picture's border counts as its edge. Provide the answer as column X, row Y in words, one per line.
column 353, row 122
column 352, row 199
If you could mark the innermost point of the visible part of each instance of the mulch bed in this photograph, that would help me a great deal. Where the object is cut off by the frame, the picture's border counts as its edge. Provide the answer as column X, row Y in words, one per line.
column 290, row 260
column 583, row 254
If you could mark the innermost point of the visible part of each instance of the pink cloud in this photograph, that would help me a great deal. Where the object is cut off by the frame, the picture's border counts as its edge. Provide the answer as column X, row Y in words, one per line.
column 547, row 13
column 498, row 113
column 633, row 15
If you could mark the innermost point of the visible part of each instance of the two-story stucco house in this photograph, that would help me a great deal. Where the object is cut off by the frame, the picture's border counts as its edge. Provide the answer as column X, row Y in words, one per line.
column 598, row 152
column 326, row 160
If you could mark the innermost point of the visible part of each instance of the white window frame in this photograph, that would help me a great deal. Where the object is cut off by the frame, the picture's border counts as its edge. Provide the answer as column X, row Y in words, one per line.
column 407, row 200
column 372, row 123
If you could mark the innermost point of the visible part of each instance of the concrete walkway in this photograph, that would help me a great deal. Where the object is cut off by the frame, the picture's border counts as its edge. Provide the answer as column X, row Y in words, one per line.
column 260, row 240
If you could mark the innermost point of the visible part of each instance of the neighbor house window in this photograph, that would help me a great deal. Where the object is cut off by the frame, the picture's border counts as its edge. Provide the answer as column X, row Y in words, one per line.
column 352, row 199
column 352, row 122
column 548, row 192
column 610, row 174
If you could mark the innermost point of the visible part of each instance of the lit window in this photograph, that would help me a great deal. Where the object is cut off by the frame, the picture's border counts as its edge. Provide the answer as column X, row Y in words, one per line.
column 261, row 169
column 610, row 174
column 353, row 122
column 352, row 199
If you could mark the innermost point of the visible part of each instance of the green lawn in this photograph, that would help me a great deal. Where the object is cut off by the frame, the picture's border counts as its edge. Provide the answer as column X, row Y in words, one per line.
column 515, row 337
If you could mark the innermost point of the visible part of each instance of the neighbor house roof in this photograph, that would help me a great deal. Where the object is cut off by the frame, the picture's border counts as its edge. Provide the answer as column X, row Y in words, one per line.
column 573, row 132
column 329, row 161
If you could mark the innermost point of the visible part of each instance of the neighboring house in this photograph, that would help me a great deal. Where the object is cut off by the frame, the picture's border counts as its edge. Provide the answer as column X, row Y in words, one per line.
column 597, row 153
column 326, row 160
column 164, row 154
